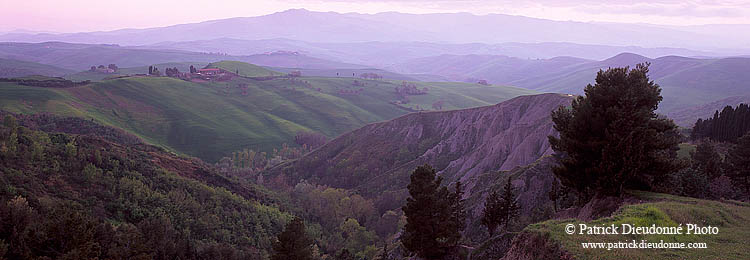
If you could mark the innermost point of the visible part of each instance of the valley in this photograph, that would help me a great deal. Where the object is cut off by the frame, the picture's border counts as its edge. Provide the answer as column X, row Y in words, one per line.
column 325, row 130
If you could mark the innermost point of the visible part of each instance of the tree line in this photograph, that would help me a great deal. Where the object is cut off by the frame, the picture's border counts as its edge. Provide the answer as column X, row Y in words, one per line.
column 725, row 126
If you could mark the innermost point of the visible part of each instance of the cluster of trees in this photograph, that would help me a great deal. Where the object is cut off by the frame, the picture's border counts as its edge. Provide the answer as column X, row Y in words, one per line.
column 726, row 126
column 713, row 174
column 247, row 162
column 83, row 197
column 347, row 221
column 409, row 88
column 312, row 140
column 101, row 68
column 46, row 83
column 154, row 71
column 612, row 139
column 173, row 72
column 499, row 210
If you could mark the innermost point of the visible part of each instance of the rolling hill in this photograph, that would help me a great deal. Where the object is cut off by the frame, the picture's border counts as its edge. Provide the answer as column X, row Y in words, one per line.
column 686, row 82
column 211, row 120
column 16, row 68
column 243, row 69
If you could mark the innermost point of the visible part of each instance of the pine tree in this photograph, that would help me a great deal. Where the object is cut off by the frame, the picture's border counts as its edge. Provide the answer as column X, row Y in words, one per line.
column 293, row 242
column 611, row 138
column 430, row 232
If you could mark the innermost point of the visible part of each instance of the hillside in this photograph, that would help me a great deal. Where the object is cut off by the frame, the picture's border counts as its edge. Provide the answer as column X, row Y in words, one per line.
column 81, row 57
column 548, row 240
column 99, row 193
column 243, row 69
column 687, row 117
column 16, row 68
column 211, row 120
column 685, row 82
column 460, row 144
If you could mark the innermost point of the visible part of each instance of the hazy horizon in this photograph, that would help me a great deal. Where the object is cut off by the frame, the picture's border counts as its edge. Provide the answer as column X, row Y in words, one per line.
column 90, row 16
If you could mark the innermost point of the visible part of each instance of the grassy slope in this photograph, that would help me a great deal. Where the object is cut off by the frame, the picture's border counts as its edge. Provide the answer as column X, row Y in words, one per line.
column 244, row 69
column 16, row 68
column 210, row 120
column 663, row 210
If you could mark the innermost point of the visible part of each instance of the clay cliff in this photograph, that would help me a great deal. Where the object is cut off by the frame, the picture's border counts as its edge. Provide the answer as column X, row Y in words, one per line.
column 460, row 144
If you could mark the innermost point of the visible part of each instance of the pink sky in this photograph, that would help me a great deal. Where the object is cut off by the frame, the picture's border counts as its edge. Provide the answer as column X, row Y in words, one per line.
column 86, row 15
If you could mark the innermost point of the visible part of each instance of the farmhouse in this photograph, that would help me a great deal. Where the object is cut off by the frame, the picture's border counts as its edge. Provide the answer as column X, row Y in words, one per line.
column 209, row 72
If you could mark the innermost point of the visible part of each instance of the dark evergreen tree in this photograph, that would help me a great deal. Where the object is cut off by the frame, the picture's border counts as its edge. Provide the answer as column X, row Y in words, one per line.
column 554, row 194
column 150, row 70
column 738, row 161
column 509, row 206
column 293, row 242
column 725, row 126
column 611, row 138
column 458, row 209
column 430, row 232
column 344, row 254
column 707, row 160
column 490, row 213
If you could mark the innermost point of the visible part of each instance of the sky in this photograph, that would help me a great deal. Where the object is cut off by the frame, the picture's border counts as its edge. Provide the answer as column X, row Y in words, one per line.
column 103, row 15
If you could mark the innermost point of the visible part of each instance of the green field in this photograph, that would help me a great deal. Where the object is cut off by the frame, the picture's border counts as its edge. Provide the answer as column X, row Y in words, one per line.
column 244, row 69
column 210, row 120
column 663, row 210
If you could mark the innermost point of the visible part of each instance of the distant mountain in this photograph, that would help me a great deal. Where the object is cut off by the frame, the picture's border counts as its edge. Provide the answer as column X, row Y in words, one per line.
column 300, row 24
column 82, row 56
column 16, row 68
column 685, row 82
column 385, row 54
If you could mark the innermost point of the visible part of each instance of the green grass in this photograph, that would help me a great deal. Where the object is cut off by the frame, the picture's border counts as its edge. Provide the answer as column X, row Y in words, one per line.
column 16, row 68
column 210, row 120
column 732, row 218
column 685, row 150
column 244, row 69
